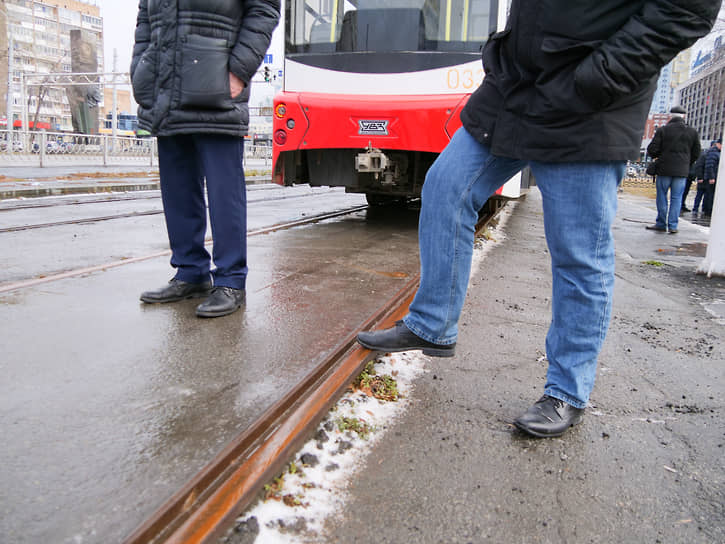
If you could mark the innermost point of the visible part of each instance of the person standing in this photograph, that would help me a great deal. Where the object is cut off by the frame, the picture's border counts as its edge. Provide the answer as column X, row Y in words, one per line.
column 712, row 162
column 567, row 91
column 193, row 61
column 676, row 146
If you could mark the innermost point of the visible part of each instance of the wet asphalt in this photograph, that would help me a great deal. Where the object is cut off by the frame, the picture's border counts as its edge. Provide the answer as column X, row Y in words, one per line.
column 109, row 405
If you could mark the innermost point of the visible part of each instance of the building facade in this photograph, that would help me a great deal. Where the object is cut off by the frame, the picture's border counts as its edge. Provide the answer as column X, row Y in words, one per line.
column 703, row 97
column 36, row 34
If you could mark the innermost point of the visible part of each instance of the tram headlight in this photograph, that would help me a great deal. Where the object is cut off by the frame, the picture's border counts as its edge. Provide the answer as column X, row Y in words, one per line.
column 280, row 111
column 290, row 124
column 280, row 137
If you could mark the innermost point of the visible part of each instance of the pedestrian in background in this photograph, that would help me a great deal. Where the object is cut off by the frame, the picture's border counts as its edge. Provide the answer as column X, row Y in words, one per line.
column 567, row 91
column 192, row 65
column 712, row 162
column 697, row 172
column 676, row 146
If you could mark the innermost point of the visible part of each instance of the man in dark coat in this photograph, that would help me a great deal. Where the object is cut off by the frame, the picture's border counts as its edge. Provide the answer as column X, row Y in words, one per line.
column 676, row 146
column 193, row 61
column 712, row 162
column 567, row 91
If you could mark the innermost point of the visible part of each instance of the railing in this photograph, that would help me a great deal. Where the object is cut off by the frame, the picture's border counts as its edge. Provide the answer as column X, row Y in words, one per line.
column 41, row 148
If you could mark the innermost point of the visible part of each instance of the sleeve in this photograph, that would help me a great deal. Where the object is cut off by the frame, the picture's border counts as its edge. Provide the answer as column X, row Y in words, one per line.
column 655, row 146
column 641, row 47
column 709, row 166
column 141, row 36
column 258, row 22
column 696, row 148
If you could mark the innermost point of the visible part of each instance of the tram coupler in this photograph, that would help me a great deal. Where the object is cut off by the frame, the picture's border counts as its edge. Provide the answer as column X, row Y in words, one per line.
column 375, row 162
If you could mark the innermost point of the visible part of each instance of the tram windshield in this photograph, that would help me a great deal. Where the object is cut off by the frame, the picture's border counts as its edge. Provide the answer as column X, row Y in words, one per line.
column 352, row 26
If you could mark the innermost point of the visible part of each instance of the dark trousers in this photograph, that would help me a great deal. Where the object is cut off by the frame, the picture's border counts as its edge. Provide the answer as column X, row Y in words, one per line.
column 688, row 183
column 185, row 161
column 699, row 196
column 709, row 199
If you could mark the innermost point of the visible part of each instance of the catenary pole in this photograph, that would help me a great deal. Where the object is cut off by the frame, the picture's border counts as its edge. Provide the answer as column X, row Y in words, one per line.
column 714, row 262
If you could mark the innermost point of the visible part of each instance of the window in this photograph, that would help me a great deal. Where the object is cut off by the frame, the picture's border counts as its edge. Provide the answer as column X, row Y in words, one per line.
column 389, row 25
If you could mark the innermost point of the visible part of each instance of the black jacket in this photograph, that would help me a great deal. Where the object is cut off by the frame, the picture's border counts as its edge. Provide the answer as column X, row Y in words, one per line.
column 675, row 146
column 697, row 170
column 712, row 162
column 573, row 81
column 182, row 57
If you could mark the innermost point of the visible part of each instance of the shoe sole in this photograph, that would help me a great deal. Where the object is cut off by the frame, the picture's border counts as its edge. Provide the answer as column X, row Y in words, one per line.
column 538, row 434
column 175, row 299
column 216, row 314
column 432, row 352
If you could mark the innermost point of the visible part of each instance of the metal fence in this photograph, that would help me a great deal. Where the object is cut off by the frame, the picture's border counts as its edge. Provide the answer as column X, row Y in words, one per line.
column 41, row 148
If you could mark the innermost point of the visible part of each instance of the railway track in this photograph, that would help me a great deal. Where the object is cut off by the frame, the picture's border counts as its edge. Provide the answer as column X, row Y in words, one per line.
column 203, row 509
column 12, row 286
column 97, row 219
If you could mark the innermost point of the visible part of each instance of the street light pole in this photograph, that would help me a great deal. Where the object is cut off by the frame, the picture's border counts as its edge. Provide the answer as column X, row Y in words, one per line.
column 11, row 68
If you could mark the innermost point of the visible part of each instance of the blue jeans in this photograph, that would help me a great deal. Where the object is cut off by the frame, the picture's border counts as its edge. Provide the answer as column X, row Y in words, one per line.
column 579, row 201
column 185, row 161
column 676, row 186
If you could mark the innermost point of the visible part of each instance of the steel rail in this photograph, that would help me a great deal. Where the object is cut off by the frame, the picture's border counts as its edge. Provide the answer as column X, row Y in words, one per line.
column 203, row 509
column 86, row 220
column 113, row 264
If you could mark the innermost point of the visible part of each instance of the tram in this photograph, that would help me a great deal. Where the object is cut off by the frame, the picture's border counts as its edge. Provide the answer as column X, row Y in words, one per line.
column 373, row 90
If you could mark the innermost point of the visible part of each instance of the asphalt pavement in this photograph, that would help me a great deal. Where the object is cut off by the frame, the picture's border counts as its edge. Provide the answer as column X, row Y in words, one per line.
column 645, row 465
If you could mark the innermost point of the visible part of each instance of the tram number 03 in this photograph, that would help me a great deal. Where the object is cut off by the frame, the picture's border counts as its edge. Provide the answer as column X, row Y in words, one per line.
column 464, row 79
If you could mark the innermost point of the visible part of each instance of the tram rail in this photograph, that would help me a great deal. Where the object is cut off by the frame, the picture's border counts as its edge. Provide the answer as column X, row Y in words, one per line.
column 86, row 220
column 98, row 268
column 203, row 509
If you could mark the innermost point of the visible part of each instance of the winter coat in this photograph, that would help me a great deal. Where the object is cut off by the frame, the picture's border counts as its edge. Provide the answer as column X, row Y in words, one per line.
column 182, row 57
column 712, row 161
column 675, row 146
column 697, row 170
column 573, row 81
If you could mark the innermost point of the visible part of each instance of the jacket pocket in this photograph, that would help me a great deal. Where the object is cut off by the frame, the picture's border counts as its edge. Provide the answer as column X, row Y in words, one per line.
column 491, row 55
column 204, row 74
column 556, row 85
column 143, row 80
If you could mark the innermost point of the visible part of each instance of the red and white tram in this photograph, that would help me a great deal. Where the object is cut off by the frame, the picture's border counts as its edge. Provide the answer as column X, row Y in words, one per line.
column 373, row 89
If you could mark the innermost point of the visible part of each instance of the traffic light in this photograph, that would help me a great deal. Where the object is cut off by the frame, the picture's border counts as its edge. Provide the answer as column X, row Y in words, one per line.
column 267, row 75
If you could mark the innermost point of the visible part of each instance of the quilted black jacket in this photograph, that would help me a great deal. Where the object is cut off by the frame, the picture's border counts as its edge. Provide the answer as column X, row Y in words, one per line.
column 182, row 57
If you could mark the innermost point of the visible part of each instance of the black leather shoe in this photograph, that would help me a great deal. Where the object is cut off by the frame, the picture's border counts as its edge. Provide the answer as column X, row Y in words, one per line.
column 400, row 338
column 655, row 227
column 549, row 417
column 221, row 301
column 176, row 290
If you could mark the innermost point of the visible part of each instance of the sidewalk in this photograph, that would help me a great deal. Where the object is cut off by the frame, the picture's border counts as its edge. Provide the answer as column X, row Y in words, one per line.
column 646, row 464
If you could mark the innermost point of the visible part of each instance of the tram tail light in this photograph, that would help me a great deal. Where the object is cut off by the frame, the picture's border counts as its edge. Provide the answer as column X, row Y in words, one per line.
column 280, row 137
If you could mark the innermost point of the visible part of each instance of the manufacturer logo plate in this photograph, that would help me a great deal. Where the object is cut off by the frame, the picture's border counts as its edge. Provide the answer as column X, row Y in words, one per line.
column 372, row 128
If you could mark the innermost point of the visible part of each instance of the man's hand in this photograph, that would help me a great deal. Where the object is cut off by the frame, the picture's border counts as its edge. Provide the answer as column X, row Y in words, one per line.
column 711, row 182
column 236, row 85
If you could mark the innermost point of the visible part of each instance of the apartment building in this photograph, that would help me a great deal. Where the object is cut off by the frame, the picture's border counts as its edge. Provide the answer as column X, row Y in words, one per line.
column 36, row 36
column 703, row 97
